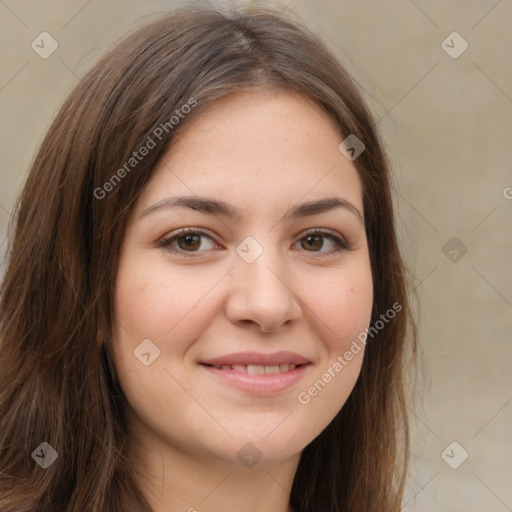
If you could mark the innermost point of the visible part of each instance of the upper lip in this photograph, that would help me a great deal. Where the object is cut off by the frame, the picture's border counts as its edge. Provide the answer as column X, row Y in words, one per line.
column 255, row 358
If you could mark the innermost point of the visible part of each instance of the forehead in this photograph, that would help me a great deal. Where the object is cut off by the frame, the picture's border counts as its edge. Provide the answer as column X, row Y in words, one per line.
column 257, row 148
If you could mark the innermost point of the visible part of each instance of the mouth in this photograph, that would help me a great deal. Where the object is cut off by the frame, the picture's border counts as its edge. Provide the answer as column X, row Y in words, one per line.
column 263, row 374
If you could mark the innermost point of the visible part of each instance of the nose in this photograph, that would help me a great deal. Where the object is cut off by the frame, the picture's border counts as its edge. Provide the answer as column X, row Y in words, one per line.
column 261, row 294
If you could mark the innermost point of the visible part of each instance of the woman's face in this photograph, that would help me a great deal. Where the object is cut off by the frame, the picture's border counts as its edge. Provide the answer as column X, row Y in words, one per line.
column 234, row 331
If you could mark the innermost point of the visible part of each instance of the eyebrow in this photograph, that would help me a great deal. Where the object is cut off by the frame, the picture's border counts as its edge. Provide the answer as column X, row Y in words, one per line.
column 221, row 208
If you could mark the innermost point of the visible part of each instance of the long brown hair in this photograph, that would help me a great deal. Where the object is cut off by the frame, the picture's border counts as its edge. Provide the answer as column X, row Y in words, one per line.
column 57, row 382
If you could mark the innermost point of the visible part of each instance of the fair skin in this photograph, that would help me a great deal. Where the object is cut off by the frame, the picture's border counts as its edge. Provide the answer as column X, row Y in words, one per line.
column 263, row 153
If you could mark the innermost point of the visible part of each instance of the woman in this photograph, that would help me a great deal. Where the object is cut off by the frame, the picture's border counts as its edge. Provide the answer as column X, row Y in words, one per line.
column 205, row 306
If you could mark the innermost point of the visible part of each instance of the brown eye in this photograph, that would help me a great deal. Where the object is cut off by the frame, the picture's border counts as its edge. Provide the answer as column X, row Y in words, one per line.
column 323, row 241
column 314, row 242
column 189, row 242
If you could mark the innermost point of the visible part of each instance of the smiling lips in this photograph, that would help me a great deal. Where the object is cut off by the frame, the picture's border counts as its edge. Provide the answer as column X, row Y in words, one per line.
column 258, row 373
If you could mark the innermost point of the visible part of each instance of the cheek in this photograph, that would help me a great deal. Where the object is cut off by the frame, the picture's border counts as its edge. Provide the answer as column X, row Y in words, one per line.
column 342, row 306
column 153, row 301
column 342, row 303
column 168, row 307
column 351, row 313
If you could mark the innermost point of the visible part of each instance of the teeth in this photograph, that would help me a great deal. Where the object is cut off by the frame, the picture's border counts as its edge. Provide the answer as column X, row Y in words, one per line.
column 258, row 369
column 255, row 369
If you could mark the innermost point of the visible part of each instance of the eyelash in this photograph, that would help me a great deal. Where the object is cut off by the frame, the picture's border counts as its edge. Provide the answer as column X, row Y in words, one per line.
column 340, row 243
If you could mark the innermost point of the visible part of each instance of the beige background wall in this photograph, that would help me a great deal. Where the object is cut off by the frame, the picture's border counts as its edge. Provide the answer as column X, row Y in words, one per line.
column 448, row 125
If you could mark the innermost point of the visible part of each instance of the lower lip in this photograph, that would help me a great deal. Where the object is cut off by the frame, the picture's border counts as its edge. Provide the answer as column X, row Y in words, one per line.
column 259, row 384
